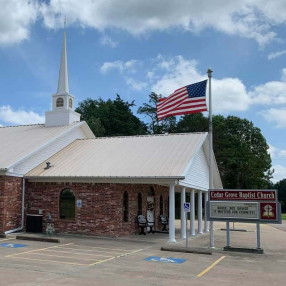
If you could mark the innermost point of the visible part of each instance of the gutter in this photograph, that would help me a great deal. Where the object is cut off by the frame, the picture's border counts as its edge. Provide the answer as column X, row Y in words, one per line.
column 22, row 212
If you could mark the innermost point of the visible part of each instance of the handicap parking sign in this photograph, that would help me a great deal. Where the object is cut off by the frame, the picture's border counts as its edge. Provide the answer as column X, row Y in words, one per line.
column 187, row 207
column 12, row 245
column 165, row 259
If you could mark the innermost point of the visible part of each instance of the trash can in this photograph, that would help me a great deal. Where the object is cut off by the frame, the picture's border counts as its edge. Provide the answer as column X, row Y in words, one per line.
column 34, row 223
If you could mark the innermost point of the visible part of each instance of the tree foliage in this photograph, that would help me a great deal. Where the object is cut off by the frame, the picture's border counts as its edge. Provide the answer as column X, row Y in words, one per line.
column 240, row 149
column 155, row 126
column 281, row 187
column 111, row 117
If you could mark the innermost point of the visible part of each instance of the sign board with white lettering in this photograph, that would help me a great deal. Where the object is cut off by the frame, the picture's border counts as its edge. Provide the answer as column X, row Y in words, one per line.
column 243, row 195
column 242, row 210
column 244, row 206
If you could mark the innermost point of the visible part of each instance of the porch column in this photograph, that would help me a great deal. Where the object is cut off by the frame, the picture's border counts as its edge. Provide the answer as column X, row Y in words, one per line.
column 207, row 223
column 172, row 213
column 200, row 212
column 193, row 231
column 183, row 213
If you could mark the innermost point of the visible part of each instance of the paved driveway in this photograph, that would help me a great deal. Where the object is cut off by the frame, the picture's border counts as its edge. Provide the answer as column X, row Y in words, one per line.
column 139, row 261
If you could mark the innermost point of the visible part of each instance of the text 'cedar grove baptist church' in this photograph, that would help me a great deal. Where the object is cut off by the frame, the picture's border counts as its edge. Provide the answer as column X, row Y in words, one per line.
column 245, row 195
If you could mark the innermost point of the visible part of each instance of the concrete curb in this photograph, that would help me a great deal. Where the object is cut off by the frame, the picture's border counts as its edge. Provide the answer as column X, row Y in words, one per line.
column 44, row 239
column 244, row 250
column 187, row 250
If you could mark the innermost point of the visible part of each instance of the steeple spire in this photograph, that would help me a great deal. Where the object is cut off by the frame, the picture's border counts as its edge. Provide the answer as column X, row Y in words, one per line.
column 63, row 102
column 63, row 83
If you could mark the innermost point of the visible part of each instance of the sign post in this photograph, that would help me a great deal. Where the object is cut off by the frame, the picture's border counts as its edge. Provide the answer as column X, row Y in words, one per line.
column 187, row 209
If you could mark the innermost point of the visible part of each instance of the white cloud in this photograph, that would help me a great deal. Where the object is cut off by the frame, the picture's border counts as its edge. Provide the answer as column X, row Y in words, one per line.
column 229, row 94
column 276, row 55
column 20, row 117
column 282, row 153
column 273, row 92
column 107, row 41
column 254, row 19
column 276, row 116
column 119, row 65
column 16, row 17
column 279, row 173
column 135, row 84
column 273, row 151
column 173, row 73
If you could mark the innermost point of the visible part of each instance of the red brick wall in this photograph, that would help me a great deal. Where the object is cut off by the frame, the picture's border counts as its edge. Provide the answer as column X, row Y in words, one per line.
column 10, row 203
column 101, row 212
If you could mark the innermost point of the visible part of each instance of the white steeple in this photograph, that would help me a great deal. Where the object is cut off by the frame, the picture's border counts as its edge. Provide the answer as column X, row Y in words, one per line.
column 63, row 84
column 63, row 102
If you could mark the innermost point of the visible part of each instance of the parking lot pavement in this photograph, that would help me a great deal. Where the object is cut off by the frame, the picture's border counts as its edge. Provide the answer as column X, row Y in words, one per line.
column 102, row 261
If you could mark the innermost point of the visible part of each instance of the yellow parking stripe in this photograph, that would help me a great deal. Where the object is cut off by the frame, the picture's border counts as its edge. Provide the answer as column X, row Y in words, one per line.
column 54, row 261
column 118, row 253
column 107, row 248
column 35, row 250
column 71, row 252
column 116, row 257
column 68, row 257
column 6, row 239
column 210, row 267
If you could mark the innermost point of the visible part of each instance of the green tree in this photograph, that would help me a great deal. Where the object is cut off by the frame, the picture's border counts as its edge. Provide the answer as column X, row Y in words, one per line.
column 281, row 187
column 240, row 150
column 156, row 126
column 111, row 117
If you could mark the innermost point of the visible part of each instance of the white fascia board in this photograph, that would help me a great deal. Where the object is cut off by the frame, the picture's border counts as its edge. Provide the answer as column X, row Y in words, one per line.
column 195, row 153
column 13, row 174
column 191, row 186
column 46, row 145
column 87, row 131
column 117, row 180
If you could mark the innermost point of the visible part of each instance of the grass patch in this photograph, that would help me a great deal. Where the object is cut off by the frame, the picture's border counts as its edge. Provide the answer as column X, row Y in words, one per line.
column 283, row 216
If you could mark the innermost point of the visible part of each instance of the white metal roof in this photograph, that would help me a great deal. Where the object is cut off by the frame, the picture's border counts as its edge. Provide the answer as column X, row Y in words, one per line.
column 133, row 157
column 16, row 142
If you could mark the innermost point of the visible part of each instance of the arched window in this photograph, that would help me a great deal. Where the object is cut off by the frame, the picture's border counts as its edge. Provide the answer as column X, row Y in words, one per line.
column 151, row 192
column 67, row 204
column 161, row 205
column 60, row 102
column 125, row 206
column 139, row 204
column 70, row 103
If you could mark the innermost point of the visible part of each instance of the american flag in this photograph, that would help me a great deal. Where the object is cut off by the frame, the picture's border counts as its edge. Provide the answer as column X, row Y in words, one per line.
column 185, row 100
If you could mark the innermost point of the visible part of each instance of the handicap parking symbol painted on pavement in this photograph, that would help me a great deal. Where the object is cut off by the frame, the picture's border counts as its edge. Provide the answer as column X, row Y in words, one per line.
column 12, row 245
column 165, row 259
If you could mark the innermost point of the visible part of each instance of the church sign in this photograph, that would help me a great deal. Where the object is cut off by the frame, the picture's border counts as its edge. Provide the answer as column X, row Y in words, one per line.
column 244, row 206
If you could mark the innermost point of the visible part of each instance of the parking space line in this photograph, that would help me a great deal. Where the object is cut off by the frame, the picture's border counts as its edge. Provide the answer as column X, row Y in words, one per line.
column 35, row 250
column 46, row 260
column 116, row 257
column 7, row 239
column 48, row 250
column 210, row 267
column 68, row 257
column 110, row 248
column 118, row 253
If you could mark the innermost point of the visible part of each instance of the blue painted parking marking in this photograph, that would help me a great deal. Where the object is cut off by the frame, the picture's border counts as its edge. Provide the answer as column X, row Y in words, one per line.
column 12, row 245
column 165, row 259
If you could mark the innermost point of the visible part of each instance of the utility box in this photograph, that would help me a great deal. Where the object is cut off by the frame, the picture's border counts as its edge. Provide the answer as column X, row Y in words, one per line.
column 34, row 223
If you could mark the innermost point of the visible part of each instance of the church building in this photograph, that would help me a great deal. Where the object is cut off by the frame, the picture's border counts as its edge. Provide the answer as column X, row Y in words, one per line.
column 59, row 173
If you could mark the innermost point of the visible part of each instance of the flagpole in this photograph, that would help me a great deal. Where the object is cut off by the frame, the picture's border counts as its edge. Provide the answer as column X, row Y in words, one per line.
column 209, row 72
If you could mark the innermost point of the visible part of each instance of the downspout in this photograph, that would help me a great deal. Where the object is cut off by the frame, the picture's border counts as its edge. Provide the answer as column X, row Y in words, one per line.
column 23, row 210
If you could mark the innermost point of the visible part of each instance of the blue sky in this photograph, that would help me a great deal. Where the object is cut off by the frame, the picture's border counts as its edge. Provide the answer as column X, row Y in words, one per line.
column 135, row 47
